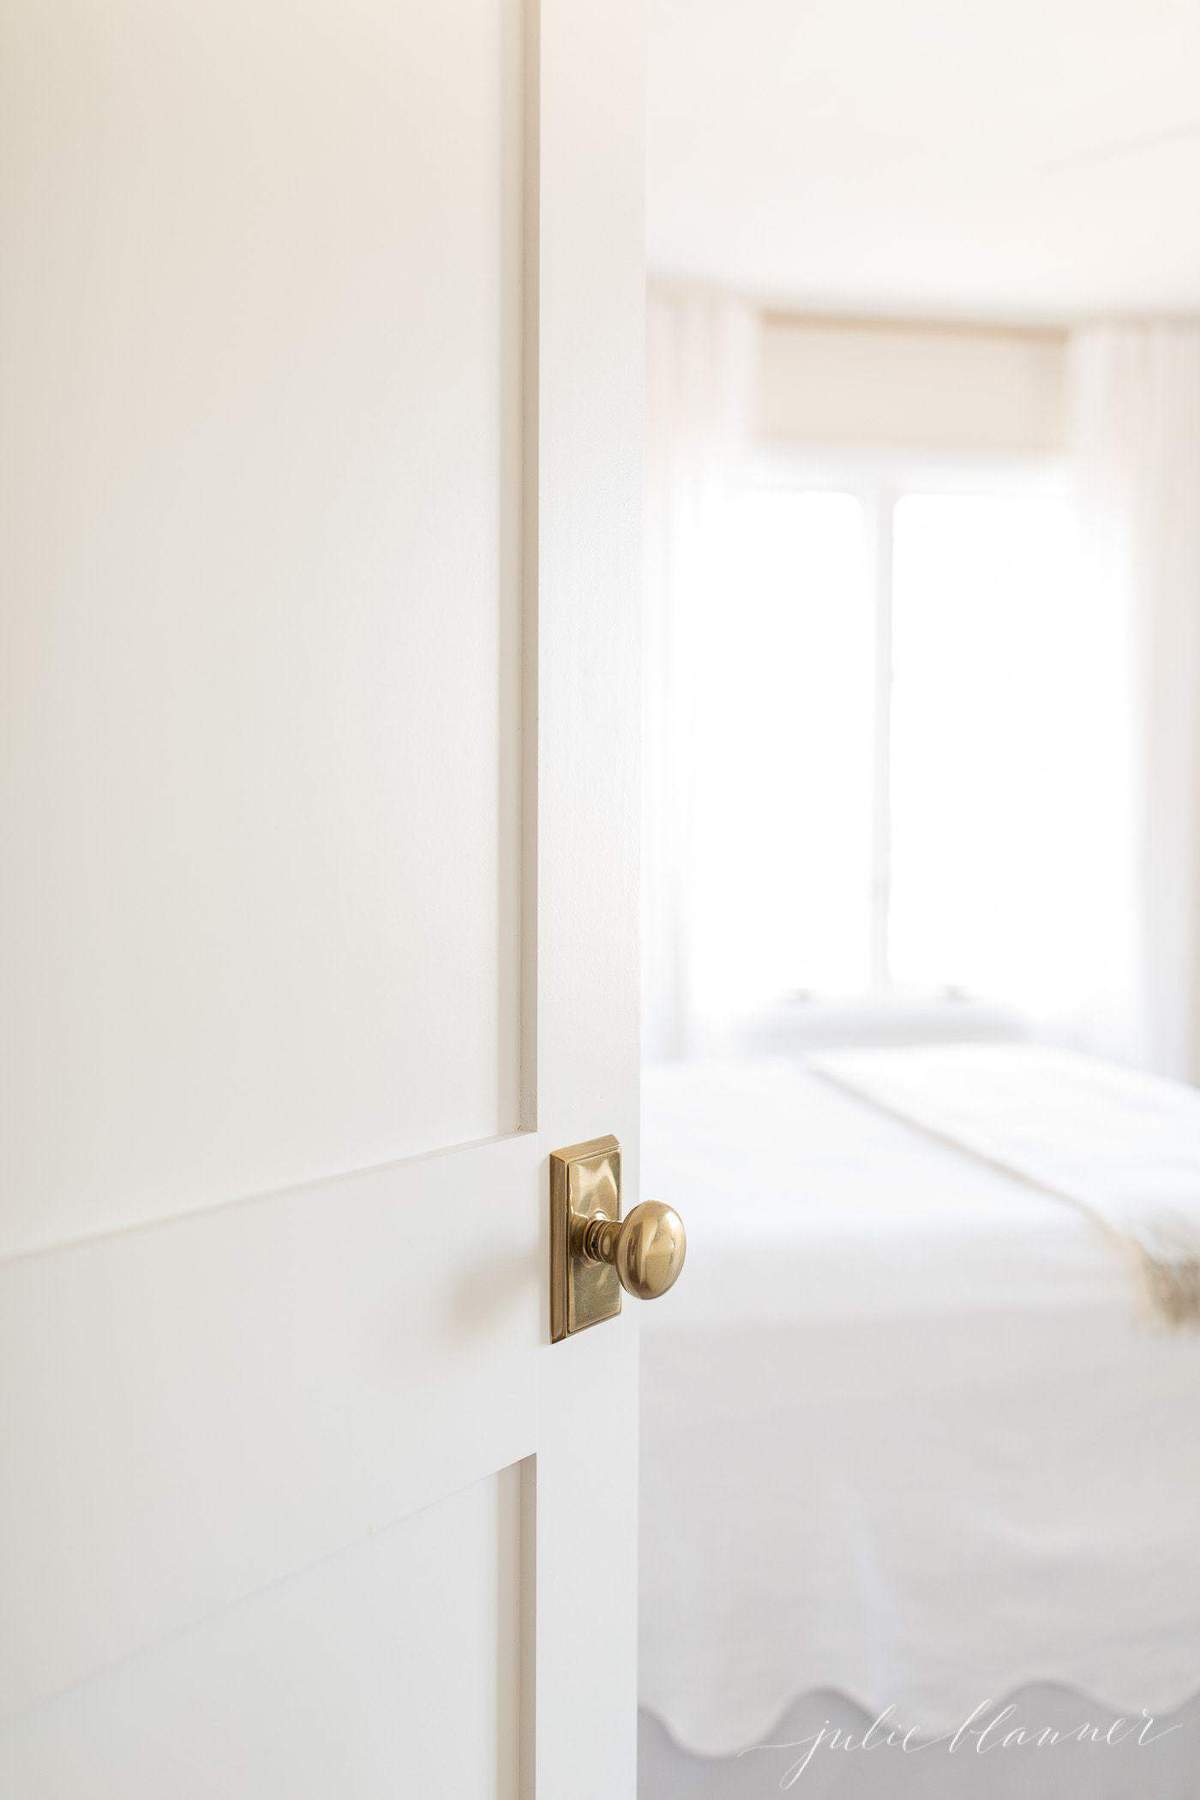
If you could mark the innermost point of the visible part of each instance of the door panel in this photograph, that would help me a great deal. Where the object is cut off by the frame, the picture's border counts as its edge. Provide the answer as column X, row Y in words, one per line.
column 321, row 486
column 313, row 1666
column 197, row 1409
column 262, row 301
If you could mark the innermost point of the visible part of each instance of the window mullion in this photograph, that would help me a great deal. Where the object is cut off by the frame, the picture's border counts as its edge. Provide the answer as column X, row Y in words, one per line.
column 882, row 508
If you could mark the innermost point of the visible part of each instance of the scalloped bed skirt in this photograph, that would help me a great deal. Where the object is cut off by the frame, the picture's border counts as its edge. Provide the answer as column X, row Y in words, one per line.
column 1071, row 1750
column 904, row 1438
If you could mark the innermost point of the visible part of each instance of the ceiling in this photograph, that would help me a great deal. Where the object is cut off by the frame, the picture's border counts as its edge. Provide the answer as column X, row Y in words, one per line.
column 995, row 159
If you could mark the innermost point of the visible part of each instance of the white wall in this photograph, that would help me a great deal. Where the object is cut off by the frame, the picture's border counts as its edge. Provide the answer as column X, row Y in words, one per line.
column 917, row 386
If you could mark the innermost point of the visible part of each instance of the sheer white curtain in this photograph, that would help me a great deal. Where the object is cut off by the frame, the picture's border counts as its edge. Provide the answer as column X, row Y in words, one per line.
column 1137, row 440
column 701, row 352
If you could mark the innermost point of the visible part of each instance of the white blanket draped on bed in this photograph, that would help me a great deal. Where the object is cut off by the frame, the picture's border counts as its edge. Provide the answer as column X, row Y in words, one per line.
column 904, row 1434
column 1123, row 1147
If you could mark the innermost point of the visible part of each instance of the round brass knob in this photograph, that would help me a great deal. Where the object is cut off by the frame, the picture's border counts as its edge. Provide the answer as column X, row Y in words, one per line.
column 646, row 1247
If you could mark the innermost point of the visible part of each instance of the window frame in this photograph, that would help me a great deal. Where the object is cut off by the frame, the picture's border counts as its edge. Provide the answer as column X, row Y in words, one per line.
column 880, row 477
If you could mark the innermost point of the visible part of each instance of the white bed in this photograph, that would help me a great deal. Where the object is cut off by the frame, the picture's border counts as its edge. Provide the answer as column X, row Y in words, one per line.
column 907, row 1441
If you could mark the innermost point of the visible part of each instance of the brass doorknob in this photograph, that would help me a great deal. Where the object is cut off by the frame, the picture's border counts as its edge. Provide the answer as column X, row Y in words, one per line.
column 594, row 1252
column 646, row 1248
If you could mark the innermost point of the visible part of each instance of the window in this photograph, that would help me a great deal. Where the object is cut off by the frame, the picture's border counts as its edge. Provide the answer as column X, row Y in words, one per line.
column 894, row 743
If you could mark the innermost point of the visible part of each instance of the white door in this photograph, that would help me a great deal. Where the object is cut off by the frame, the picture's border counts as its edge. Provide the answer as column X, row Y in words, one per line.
column 321, row 337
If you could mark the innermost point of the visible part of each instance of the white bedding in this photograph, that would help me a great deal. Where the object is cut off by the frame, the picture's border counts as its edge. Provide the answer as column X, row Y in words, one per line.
column 1123, row 1147
column 904, row 1434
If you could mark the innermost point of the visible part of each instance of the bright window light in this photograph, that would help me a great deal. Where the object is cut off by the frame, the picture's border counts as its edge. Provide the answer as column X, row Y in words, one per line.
column 783, row 757
column 897, row 748
column 989, row 756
